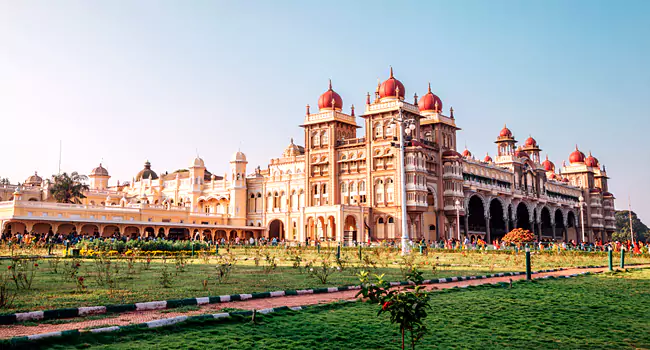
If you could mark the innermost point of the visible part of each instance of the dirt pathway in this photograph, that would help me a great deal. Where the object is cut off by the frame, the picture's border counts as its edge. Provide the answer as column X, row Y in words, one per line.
column 297, row 300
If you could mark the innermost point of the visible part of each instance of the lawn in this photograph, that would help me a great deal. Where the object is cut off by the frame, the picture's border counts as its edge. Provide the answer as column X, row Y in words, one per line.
column 140, row 282
column 591, row 312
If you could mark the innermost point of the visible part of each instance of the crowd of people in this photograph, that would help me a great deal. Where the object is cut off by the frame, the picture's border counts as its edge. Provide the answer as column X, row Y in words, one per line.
column 73, row 238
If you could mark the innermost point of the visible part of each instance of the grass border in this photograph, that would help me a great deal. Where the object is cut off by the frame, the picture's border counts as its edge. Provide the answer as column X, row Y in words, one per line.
column 8, row 319
column 230, row 317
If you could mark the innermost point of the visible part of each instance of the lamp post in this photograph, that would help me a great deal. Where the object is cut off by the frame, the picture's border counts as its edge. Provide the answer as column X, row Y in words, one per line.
column 582, row 216
column 405, row 126
column 457, row 206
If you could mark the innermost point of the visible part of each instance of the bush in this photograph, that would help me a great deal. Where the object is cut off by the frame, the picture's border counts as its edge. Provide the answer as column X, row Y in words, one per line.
column 519, row 235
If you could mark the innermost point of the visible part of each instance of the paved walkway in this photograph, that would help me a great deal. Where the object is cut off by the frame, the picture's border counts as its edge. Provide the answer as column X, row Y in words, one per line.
column 297, row 300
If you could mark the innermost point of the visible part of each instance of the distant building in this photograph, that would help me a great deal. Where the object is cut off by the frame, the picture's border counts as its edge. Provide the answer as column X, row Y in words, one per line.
column 342, row 186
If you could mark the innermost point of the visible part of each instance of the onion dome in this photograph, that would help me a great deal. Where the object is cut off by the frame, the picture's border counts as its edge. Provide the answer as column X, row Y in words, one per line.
column 576, row 156
column 467, row 153
column 146, row 173
column 505, row 132
column 293, row 150
column 608, row 195
column 33, row 180
column 530, row 142
column 565, row 180
column 430, row 102
column 330, row 100
column 591, row 161
column 238, row 157
column 553, row 176
column 548, row 165
column 392, row 88
column 487, row 159
column 99, row 171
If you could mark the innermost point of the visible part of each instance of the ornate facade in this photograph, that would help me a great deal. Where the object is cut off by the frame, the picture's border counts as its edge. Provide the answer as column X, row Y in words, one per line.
column 343, row 186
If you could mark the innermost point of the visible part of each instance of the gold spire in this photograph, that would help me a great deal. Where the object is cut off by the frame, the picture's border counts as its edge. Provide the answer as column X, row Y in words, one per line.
column 330, row 85
column 391, row 72
column 352, row 110
column 430, row 88
column 451, row 112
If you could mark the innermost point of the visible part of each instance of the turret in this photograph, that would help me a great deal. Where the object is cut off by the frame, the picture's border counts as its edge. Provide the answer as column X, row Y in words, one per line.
column 237, row 188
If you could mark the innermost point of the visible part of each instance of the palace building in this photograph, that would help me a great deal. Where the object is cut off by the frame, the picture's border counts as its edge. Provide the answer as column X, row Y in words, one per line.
column 343, row 186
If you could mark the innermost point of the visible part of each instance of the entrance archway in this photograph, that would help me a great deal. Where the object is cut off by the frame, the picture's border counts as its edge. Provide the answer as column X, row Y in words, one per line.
column 523, row 217
column 276, row 230
column 350, row 229
column 545, row 222
column 497, row 224
column 476, row 215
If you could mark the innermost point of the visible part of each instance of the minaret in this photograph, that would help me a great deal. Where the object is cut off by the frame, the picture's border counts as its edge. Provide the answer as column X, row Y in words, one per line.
column 197, row 171
column 237, row 188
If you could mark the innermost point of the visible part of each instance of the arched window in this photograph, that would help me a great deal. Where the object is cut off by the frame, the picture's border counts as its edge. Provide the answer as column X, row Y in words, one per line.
column 391, row 220
column 379, row 130
column 315, row 140
column 362, row 186
column 389, row 190
column 343, row 187
column 427, row 136
column 379, row 191
column 380, row 221
column 389, row 129
column 324, row 138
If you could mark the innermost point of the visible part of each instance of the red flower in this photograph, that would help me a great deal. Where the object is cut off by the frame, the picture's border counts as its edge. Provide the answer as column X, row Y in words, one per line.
column 78, row 264
column 386, row 305
column 36, row 265
column 81, row 279
column 9, row 267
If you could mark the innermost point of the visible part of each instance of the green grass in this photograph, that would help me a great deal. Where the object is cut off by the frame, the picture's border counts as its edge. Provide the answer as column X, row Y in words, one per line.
column 593, row 312
column 53, row 290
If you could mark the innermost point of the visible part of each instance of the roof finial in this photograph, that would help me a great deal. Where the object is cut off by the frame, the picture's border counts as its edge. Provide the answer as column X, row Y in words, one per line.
column 397, row 91
column 435, row 106
column 330, row 84
column 391, row 72
column 430, row 87
column 352, row 110
column 368, row 98
column 451, row 112
column 576, row 146
column 415, row 98
column 333, row 103
column 308, row 109
column 292, row 140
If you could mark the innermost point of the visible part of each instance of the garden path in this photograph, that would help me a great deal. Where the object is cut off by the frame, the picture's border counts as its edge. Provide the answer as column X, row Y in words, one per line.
column 297, row 300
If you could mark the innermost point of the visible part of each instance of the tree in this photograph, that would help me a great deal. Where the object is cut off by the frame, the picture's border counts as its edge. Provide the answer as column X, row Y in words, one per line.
column 69, row 188
column 4, row 181
column 623, row 227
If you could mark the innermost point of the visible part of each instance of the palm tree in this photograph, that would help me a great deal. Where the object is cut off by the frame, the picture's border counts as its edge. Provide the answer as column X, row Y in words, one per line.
column 69, row 188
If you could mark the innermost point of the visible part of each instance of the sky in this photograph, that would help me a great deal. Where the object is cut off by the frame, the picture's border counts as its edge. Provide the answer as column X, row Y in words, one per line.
column 121, row 82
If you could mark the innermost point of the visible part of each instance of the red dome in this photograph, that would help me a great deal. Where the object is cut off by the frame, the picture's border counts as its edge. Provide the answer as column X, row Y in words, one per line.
column 530, row 142
column 325, row 100
column 548, row 165
column 505, row 132
column 430, row 102
column 576, row 156
column 552, row 177
column 467, row 153
column 487, row 159
column 565, row 180
column 390, row 87
column 591, row 161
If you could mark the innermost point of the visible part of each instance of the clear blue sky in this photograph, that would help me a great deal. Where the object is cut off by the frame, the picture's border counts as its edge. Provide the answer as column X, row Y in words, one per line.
column 126, row 81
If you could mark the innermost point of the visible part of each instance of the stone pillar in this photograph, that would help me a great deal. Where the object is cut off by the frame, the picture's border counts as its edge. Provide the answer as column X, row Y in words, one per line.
column 538, row 224
column 488, row 237
column 507, row 225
